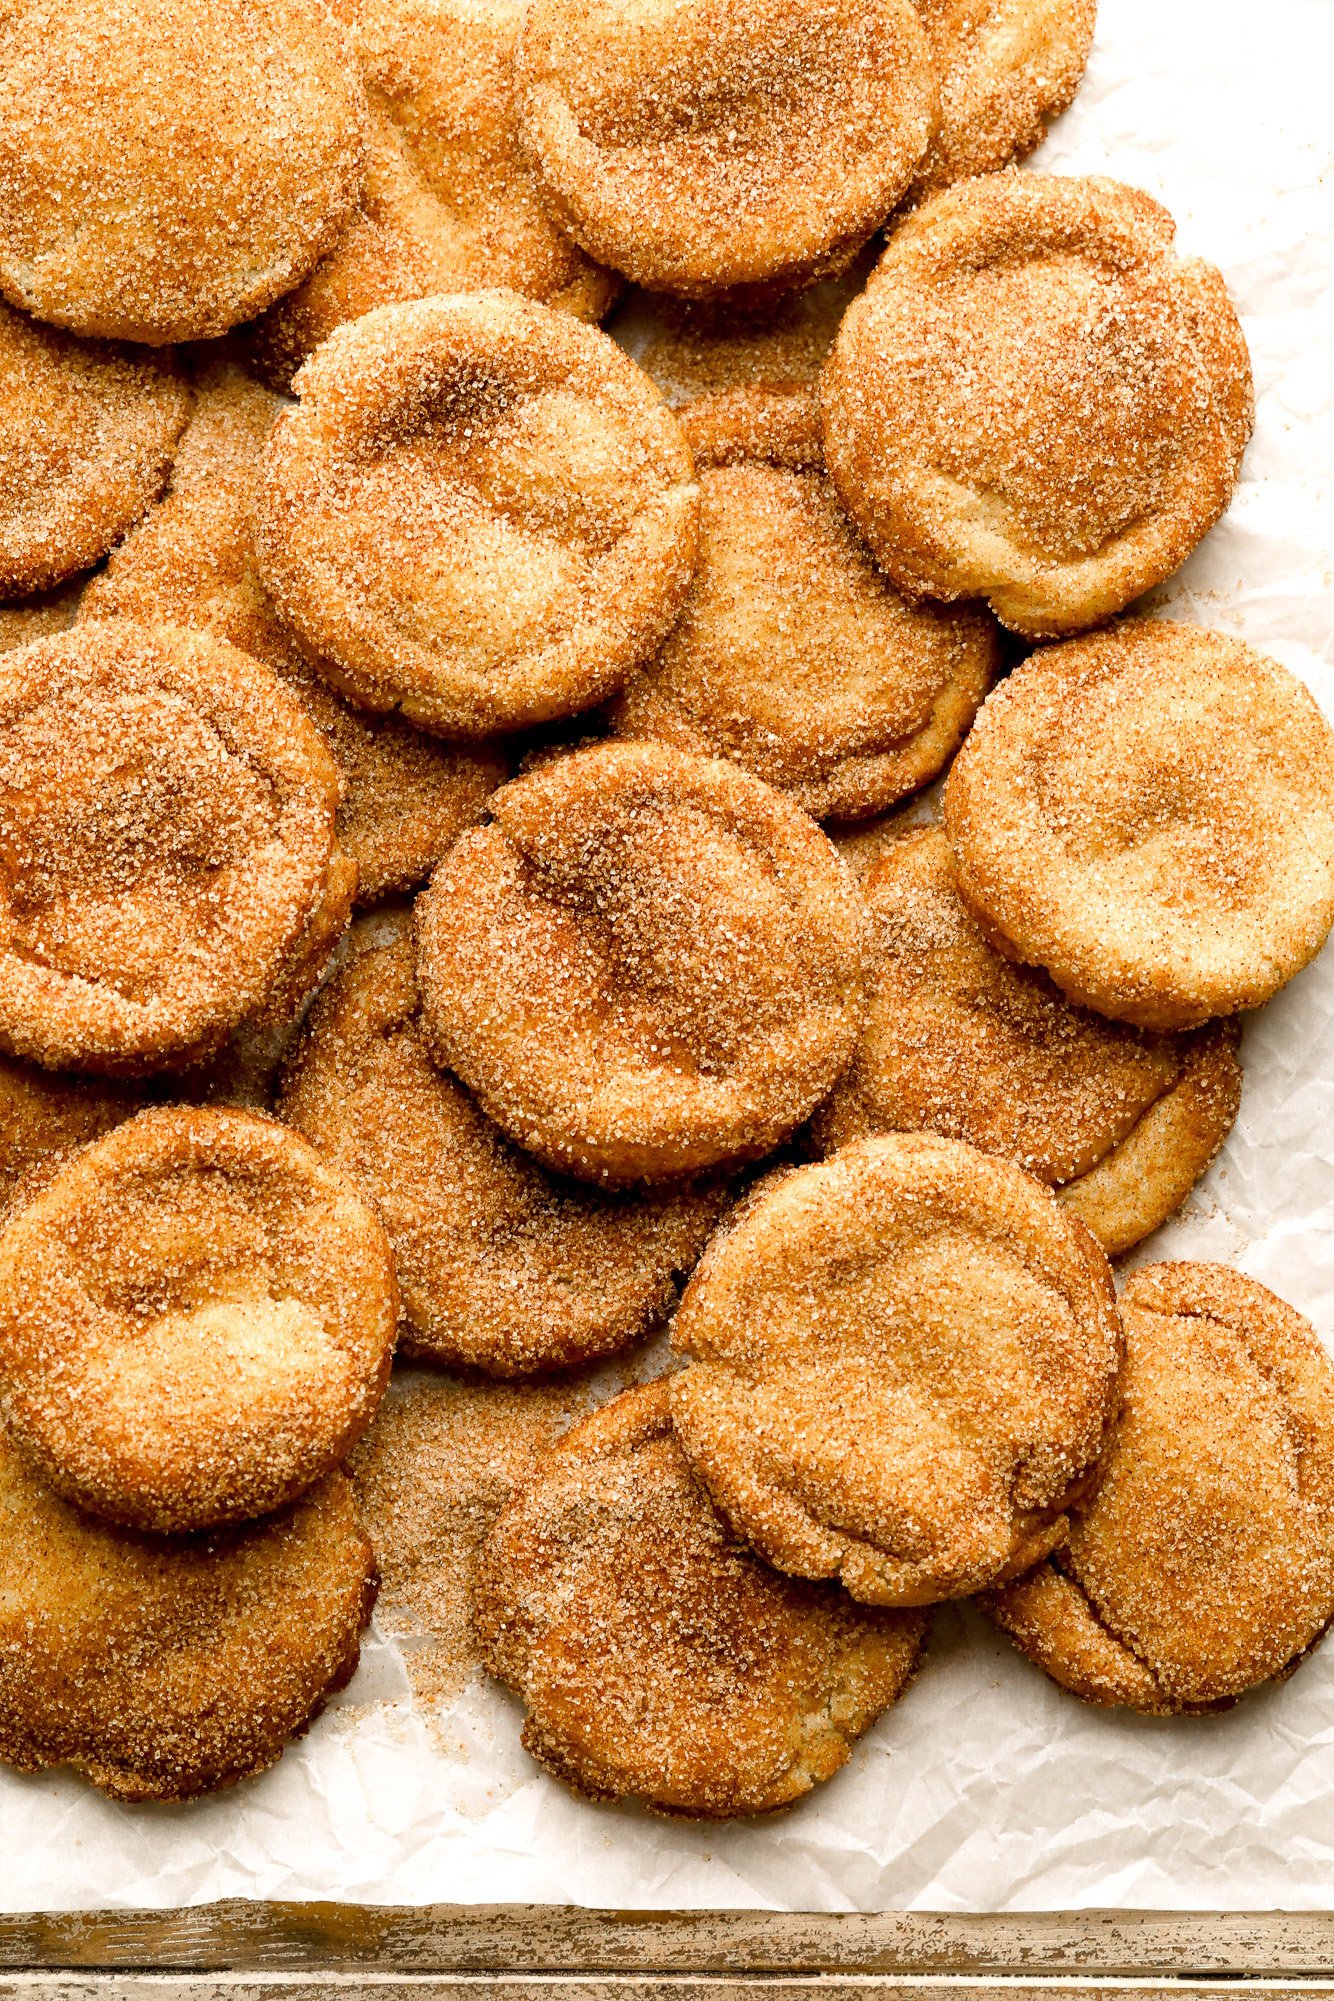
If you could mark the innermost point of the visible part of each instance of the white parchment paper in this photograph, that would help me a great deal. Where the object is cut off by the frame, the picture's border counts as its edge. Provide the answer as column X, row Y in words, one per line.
column 987, row 1788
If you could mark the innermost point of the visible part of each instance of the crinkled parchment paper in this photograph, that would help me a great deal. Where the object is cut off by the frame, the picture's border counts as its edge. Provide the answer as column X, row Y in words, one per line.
column 987, row 1789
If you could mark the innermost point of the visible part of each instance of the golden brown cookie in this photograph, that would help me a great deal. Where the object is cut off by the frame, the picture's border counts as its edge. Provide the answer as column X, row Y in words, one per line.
column 1036, row 402
column 658, row 1660
column 647, row 964
column 39, row 617
column 503, row 1266
column 166, row 820
column 87, row 433
column 192, row 562
column 449, row 204
column 1149, row 814
column 196, row 1320
column 481, row 514
column 1205, row 1564
column 693, row 348
column 1006, row 68
column 903, row 1366
column 43, row 1119
column 1120, row 1121
column 163, row 1669
column 731, row 142
column 169, row 167
column 793, row 655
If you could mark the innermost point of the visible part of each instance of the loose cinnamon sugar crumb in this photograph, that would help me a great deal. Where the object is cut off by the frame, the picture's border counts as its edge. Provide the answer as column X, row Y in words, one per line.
column 439, row 1463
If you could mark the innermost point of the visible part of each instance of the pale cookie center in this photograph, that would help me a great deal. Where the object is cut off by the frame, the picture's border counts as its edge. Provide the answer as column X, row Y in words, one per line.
column 205, row 1386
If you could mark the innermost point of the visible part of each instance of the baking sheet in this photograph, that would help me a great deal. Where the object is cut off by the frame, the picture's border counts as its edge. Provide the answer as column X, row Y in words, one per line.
column 987, row 1789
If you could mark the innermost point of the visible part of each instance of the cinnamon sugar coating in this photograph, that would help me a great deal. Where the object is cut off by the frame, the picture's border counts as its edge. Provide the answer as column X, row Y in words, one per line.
column 960, row 1041
column 481, row 514
column 196, row 1320
column 310, row 958
column 692, row 348
column 794, row 656
column 1036, row 402
column 1149, row 814
column 657, row 1659
column 44, row 1118
column 503, row 1267
column 166, row 819
column 903, row 1366
column 192, row 562
column 647, row 964
column 443, row 1456
column 1205, row 1564
column 164, row 1669
column 1006, row 68
column 86, row 439
column 39, row 617
column 449, row 203
column 168, row 168
column 731, row 142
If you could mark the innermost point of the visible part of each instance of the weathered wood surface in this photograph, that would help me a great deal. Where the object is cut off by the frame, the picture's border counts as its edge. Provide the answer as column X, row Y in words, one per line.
column 614, row 1987
column 379, row 1946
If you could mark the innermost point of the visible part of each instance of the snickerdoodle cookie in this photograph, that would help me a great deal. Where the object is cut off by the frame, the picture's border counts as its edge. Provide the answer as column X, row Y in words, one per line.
column 793, row 655
column 960, row 1041
column 730, row 142
column 169, row 167
column 648, row 963
column 482, row 514
column 166, row 829
column 87, row 433
column 903, row 1366
column 196, row 1320
column 164, row 1669
column 1006, row 68
column 1036, row 401
column 1149, row 814
column 449, row 203
column 657, row 1659
column 1205, row 1563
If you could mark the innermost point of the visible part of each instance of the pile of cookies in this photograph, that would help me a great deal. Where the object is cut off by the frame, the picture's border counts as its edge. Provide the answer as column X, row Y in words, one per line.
column 349, row 565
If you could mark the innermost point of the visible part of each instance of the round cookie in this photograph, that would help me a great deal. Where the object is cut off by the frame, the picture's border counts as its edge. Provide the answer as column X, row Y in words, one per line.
column 1006, row 68
column 166, row 820
column 647, row 964
column 793, row 655
column 449, row 203
column 169, row 168
column 658, row 1660
column 1205, row 1564
column 1120, row 1121
column 503, row 1267
column 44, row 1118
column 694, row 348
column 86, row 441
column 161, row 1670
column 1035, row 402
column 731, row 142
column 481, row 514
column 196, row 1320
column 192, row 562
column 1149, row 814
column 903, row 1366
